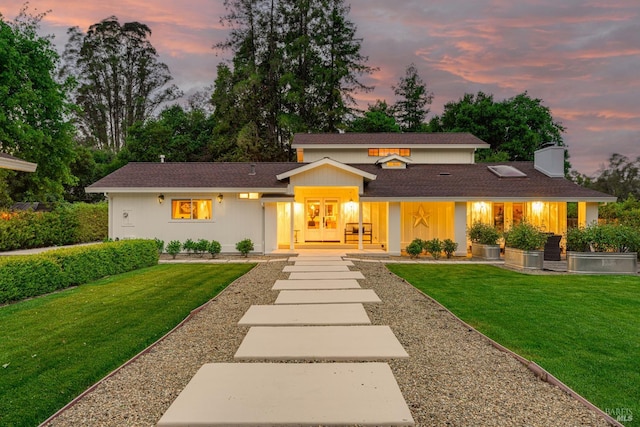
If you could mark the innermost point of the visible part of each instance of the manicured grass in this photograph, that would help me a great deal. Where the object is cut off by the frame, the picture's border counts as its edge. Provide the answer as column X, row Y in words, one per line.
column 54, row 347
column 585, row 330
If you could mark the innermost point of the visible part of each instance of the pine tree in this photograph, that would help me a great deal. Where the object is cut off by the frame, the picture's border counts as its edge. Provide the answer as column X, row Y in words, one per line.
column 411, row 109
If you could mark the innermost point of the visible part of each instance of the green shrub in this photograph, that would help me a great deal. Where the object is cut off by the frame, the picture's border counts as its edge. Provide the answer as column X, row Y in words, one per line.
column 173, row 248
column 27, row 276
column 434, row 247
column 244, row 246
column 159, row 245
column 189, row 245
column 449, row 247
column 482, row 233
column 214, row 248
column 66, row 224
column 525, row 236
column 603, row 238
column 415, row 248
column 201, row 246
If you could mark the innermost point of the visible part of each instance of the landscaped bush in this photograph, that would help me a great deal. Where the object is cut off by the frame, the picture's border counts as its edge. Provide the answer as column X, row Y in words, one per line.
column 415, row 248
column 214, row 248
column 449, row 247
column 525, row 236
column 603, row 238
column 484, row 234
column 189, row 245
column 244, row 246
column 27, row 276
column 67, row 224
column 434, row 247
column 173, row 248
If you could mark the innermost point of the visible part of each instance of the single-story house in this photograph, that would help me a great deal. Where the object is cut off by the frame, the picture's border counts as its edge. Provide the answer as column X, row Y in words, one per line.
column 10, row 162
column 346, row 190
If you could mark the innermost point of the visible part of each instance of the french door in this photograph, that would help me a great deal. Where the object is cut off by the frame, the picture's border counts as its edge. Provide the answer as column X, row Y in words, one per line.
column 322, row 220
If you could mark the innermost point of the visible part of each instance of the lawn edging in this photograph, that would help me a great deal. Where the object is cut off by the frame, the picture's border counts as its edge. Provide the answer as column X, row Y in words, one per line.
column 536, row 369
column 191, row 314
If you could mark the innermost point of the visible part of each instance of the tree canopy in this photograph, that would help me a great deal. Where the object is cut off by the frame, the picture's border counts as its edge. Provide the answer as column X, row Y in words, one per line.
column 120, row 80
column 621, row 178
column 295, row 68
column 378, row 118
column 515, row 127
column 411, row 107
column 33, row 111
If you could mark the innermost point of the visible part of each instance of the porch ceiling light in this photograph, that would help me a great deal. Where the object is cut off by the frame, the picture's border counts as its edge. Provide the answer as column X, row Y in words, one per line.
column 161, row 198
column 219, row 198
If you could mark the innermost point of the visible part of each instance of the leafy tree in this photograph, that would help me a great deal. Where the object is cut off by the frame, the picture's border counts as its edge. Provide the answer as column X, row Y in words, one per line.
column 296, row 66
column 33, row 111
column 621, row 178
column 120, row 80
column 411, row 109
column 516, row 126
column 378, row 118
column 180, row 135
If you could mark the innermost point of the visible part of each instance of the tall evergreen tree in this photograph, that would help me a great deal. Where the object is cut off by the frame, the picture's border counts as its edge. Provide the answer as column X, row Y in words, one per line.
column 120, row 80
column 411, row 109
column 296, row 65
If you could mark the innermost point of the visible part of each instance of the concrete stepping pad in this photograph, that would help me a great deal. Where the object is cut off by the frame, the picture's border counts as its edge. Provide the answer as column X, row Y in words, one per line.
column 300, row 394
column 312, row 268
column 348, row 263
column 327, row 296
column 307, row 314
column 320, row 343
column 318, row 275
column 315, row 258
column 316, row 284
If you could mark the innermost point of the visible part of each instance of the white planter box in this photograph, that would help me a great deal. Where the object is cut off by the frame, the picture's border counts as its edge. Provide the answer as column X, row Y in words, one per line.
column 602, row 262
column 487, row 252
column 530, row 260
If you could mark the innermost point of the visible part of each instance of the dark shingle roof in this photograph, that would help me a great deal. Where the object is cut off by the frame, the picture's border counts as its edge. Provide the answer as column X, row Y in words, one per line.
column 470, row 181
column 388, row 139
column 195, row 175
column 435, row 181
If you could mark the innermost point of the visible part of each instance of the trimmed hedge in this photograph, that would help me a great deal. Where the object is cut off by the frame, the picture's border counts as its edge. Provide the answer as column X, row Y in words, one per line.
column 28, row 276
column 65, row 225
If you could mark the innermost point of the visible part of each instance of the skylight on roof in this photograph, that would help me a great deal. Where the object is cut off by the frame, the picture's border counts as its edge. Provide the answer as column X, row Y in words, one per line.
column 504, row 171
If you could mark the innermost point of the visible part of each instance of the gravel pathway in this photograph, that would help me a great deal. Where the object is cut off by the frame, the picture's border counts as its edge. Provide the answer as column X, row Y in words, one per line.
column 453, row 376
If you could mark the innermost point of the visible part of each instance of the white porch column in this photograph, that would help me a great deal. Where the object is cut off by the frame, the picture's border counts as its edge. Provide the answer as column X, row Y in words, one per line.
column 591, row 213
column 395, row 228
column 291, row 226
column 360, row 247
column 460, row 228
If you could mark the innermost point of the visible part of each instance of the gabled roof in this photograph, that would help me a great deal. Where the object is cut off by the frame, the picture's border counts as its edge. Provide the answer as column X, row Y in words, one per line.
column 395, row 157
column 10, row 162
column 196, row 176
column 326, row 161
column 377, row 140
column 458, row 182
column 473, row 182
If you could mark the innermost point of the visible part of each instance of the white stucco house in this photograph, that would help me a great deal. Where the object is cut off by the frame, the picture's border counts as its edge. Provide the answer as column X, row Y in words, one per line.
column 352, row 191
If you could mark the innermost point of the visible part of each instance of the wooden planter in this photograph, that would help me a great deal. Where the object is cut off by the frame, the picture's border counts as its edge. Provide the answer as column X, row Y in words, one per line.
column 486, row 252
column 529, row 260
column 602, row 262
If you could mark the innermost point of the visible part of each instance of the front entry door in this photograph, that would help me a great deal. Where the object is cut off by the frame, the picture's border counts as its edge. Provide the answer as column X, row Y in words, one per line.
column 322, row 219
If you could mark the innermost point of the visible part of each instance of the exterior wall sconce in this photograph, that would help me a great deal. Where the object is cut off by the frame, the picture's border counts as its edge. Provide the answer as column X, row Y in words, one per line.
column 219, row 198
column 161, row 198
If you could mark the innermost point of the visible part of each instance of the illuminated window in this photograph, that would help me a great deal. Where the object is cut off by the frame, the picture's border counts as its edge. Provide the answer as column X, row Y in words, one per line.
column 384, row 152
column 191, row 209
column 395, row 164
column 300, row 155
column 249, row 196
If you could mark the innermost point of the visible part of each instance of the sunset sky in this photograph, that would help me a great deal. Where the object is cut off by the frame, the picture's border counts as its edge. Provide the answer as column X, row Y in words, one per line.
column 581, row 57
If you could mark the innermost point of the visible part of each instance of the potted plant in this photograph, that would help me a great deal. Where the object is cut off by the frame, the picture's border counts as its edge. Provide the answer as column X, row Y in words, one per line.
column 523, row 246
column 603, row 249
column 484, row 241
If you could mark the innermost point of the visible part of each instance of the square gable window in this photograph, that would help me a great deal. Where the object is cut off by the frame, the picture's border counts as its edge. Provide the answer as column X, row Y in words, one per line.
column 193, row 209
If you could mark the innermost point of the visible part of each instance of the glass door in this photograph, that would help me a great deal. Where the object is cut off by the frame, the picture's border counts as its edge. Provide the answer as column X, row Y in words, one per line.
column 322, row 220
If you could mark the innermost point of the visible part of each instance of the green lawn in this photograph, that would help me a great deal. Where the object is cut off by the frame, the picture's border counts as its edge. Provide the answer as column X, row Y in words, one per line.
column 54, row 347
column 585, row 330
